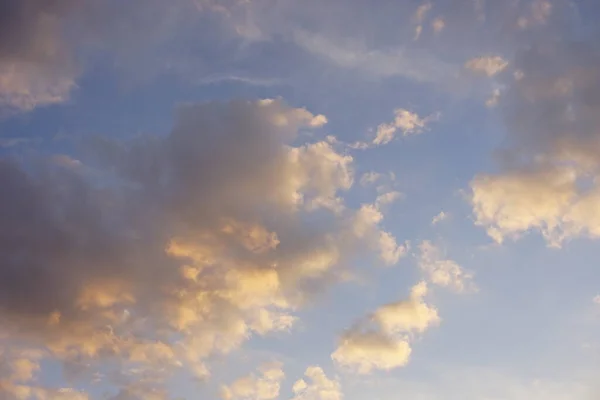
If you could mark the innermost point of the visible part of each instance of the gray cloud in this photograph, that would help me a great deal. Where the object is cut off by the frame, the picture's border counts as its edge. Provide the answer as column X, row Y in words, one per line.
column 200, row 234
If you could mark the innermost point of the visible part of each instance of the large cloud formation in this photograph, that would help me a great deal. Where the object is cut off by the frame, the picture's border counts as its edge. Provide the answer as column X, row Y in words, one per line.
column 551, row 166
column 163, row 251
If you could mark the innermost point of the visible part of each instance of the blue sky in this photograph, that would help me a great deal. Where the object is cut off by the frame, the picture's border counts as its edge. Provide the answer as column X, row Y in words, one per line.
column 303, row 200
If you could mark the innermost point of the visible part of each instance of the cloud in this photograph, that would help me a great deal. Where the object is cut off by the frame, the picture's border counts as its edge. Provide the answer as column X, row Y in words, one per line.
column 381, row 341
column 317, row 386
column 494, row 99
column 18, row 370
column 538, row 14
column 404, row 62
column 511, row 204
column 35, row 65
column 549, row 172
column 487, row 65
column 442, row 216
column 406, row 122
column 365, row 225
column 438, row 25
column 418, row 18
column 548, row 200
column 443, row 272
column 179, row 247
column 421, row 12
column 263, row 387
column 364, row 352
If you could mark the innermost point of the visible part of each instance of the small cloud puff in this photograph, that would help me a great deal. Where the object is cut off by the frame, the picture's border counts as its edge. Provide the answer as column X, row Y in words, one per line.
column 443, row 272
column 442, row 216
column 381, row 341
column 406, row 122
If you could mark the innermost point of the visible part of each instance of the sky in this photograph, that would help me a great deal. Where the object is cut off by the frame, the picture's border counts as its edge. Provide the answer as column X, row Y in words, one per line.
column 299, row 200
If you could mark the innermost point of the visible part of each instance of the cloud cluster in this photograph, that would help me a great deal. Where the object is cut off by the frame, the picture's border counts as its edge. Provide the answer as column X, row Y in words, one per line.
column 317, row 386
column 381, row 340
column 158, row 253
column 550, row 176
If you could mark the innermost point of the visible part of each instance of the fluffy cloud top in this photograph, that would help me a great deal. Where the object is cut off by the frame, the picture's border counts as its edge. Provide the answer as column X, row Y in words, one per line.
column 381, row 341
column 317, row 386
column 263, row 387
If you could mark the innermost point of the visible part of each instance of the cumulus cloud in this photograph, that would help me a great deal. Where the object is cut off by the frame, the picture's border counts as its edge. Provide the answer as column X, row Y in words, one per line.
column 266, row 386
column 381, row 340
column 179, row 248
column 317, row 386
column 441, row 271
column 406, row 122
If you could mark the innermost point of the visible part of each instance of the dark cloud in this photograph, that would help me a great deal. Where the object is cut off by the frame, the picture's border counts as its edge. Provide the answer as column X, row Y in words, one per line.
column 30, row 30
column 63, row 229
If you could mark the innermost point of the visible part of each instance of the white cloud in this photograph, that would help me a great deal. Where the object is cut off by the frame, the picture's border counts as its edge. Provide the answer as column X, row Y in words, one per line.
column 443, row 272
column 442, row 216
column 365, row 225
column 266, row 386
column 364, row 352
column 381, row 341
column 406, row 122
column 548, row 200
column 317, row 386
